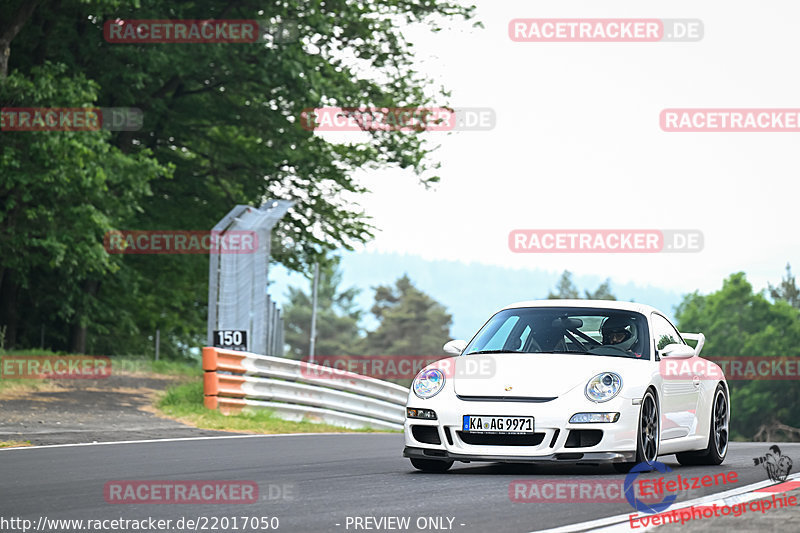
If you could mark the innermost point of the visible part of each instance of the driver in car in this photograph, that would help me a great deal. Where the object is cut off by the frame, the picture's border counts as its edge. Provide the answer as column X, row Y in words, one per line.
column 617, row 332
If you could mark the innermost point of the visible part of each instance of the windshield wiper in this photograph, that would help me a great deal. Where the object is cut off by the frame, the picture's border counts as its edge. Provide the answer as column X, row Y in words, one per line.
column 579, row 352
column 489, row 351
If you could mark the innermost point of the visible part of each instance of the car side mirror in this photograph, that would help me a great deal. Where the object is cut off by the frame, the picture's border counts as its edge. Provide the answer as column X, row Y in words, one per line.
column 677, row 351
column 455, row 347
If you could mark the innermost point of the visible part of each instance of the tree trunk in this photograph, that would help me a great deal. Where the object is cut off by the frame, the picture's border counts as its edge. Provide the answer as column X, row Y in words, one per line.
column 8, row 309
column 79, row 331
column 78, row 339
column 5, row 51
column 10, row 28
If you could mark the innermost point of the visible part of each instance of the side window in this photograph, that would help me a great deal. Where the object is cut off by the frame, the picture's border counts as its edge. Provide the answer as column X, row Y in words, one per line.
column 664, row 333
column 497, row 340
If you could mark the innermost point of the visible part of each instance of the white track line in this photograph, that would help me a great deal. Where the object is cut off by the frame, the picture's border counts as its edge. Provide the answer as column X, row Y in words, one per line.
column 180, row 439
column 615, row 523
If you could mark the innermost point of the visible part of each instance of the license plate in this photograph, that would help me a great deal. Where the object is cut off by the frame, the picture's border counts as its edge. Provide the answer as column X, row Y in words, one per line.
column 498, row 424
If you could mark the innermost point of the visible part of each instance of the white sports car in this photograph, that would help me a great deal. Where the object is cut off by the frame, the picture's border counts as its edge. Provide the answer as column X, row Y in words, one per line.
column 569, row 381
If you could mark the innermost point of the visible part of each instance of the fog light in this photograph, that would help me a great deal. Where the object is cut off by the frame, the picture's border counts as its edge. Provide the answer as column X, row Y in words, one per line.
column 592, row 418
column 427, row 414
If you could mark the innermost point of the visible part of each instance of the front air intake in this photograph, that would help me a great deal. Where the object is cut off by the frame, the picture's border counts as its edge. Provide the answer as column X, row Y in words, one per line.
column 494, row 439
column 583, row 438
column 426, row 434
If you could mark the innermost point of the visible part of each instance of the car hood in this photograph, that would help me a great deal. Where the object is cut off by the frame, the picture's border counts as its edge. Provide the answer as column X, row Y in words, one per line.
column 531, row 374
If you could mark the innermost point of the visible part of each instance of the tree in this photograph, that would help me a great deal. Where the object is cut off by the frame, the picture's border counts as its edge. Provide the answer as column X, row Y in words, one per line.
column 221, row 127
column 59, row 193
column 738, row 322
column 411, row 322
column 602, row 292
column 566, row 290
column 338, row 332
column 10, row 25
column 787, row 290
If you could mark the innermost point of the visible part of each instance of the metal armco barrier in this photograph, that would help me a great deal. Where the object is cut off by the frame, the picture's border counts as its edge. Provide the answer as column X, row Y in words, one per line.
column 295, row 390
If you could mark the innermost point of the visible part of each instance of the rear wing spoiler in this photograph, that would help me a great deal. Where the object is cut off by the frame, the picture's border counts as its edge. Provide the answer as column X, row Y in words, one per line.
column 699, row 337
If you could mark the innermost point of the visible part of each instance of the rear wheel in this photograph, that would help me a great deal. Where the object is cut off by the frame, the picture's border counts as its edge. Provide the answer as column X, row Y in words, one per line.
column 717, row 447
column 649, row 434
column 431, row 465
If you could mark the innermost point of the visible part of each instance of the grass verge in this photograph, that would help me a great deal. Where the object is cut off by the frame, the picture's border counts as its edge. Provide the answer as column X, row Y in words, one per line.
column 120, row 364
column 145, row 365
column 14, row 443
column 184, row 403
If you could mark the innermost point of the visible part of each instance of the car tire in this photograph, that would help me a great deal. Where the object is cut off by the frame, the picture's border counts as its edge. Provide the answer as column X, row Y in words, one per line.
column 648, row 434
column 718, row 434
column 431, row 465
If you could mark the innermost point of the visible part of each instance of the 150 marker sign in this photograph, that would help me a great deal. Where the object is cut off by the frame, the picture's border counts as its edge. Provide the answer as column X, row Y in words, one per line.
column 231, row 339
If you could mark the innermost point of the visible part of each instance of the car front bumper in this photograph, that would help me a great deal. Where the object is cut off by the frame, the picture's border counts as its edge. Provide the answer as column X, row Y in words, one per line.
column 552, row 428
column 566, row 457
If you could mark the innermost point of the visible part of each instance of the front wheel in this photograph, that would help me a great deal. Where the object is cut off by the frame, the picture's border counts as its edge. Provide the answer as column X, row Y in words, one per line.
column 431, row 465
column 649, row 434
column 717, row 447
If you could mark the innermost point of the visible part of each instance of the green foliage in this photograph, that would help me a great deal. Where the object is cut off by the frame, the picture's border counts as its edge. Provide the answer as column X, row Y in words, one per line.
column 566, row 290
column 14, row 443
column 787, row 290
column 221, row 127
column 59, row 193
column 602, row 292
column 179, row 368
column 132, row 364
column 411, row 322
column 738, row 322
column 186, row 394
column 665, row 340
column 338, row 332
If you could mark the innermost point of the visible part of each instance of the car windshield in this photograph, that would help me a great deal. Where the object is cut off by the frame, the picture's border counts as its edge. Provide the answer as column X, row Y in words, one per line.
column 568, row 330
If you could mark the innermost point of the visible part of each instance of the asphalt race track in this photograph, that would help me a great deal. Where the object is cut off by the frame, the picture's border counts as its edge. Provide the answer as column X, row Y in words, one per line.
column 313, row 483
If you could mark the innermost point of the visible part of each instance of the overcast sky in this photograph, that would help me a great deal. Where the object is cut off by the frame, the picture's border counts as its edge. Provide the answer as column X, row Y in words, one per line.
column 578, row 145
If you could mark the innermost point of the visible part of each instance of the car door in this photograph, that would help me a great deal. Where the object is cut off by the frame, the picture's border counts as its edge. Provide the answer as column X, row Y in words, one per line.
column 679, row 394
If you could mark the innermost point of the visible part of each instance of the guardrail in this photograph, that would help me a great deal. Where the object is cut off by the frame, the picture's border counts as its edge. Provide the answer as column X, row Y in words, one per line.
column 234, row 381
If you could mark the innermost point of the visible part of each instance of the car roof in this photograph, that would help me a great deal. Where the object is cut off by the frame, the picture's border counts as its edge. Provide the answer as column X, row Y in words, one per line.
column 596, row 304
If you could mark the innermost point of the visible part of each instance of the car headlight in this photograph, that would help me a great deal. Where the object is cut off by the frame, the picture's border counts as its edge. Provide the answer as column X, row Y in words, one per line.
column 603, row 387
column 594, row 418
column 428, row 383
